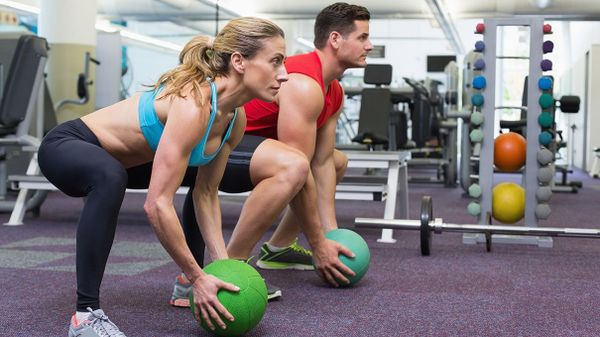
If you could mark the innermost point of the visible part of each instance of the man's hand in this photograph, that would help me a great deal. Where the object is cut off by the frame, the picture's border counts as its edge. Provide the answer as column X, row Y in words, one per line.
column 328, row 264
column 207, row 304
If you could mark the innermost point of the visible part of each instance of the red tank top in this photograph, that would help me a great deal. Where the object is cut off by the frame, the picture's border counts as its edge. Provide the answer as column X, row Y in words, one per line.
column 262, row 116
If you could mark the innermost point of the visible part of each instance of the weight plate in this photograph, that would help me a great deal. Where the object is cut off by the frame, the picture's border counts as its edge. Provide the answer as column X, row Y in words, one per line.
column 426, row 217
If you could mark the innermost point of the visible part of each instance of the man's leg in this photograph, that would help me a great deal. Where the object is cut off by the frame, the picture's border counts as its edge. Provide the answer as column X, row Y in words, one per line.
column 288, row 230
column 278, row 173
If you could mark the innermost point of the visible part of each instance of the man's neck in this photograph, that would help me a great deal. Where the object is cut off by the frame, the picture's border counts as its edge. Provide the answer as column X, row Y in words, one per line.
column 331, row 67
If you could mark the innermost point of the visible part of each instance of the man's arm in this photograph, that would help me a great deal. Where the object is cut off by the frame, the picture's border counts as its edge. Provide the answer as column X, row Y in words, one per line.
column 323, row 169
column 300, row 104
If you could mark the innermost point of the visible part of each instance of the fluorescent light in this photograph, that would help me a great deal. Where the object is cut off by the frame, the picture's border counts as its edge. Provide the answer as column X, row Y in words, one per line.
column 446, row 24
column 20, row 6
column 129, row 36
column 179, row 4
column 106, row 26
column 145, row 39
column 233, row 11
column 541, row 4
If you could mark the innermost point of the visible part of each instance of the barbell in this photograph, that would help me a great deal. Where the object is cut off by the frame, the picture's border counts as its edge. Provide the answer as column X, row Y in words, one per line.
column 427, row 224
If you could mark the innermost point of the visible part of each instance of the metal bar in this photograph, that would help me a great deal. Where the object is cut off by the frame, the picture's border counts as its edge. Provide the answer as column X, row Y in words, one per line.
column 492, row 229
column 513, row 57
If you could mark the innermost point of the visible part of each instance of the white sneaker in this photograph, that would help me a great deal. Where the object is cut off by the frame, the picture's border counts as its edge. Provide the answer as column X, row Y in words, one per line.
column 96, row 324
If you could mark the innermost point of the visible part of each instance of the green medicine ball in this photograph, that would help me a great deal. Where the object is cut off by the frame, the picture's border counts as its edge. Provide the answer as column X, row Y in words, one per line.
column 351, row 240
column 247, row 306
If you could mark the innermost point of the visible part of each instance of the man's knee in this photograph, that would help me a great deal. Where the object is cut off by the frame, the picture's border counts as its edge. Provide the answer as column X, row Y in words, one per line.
column 341, row 164
column 293, row 168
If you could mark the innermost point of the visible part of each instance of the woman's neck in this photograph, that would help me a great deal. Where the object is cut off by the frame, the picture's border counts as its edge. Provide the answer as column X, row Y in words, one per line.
column 230, row 93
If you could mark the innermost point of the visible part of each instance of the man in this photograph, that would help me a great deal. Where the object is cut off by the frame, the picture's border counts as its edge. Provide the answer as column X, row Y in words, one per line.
column 288, row 154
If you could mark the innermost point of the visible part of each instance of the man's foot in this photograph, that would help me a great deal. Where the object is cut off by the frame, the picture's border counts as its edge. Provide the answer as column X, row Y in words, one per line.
column 181, row 292
column 96, row 324
column 293, row 257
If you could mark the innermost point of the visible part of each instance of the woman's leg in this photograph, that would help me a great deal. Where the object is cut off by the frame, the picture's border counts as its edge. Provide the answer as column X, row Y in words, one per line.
column 80, row 168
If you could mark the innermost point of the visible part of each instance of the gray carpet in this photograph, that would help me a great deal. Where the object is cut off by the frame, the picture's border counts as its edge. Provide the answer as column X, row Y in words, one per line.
column 460, row 290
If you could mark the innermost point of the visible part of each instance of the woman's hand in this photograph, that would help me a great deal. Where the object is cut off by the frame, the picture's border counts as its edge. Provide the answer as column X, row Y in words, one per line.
column 207, row 305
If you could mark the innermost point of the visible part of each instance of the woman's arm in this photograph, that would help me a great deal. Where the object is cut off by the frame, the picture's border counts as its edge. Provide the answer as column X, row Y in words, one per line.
column 185, row 126
column 205, row 195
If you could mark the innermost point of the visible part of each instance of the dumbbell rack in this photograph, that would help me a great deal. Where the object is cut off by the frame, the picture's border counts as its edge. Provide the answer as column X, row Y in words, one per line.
column 488, row 109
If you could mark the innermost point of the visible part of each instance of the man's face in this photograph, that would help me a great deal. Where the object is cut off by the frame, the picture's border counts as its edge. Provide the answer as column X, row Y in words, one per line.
column 355, row 46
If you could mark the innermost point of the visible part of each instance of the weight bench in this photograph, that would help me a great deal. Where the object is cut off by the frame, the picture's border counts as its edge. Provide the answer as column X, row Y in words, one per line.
column 375, row 188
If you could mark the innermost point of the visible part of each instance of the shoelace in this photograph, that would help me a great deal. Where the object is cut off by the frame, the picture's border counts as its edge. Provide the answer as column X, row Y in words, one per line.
column 297, row 248
column 248, row 260
column 103, row 326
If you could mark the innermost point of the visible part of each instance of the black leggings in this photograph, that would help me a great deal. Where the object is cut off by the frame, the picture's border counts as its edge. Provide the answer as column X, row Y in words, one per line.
column 72, row 159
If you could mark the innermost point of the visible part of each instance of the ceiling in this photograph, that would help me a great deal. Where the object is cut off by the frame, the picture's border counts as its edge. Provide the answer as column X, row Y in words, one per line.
column 174, row 19
column 400, row 9
column 162, row 10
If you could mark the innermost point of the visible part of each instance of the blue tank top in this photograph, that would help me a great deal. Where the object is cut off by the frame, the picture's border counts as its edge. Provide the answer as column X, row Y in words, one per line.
column 152, row 127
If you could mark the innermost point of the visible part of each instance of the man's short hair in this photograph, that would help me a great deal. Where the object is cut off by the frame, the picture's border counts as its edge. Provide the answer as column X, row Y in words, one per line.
column 340, row 18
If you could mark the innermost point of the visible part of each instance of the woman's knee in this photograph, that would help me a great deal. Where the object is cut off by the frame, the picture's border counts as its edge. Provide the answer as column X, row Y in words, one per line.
column 113, row 178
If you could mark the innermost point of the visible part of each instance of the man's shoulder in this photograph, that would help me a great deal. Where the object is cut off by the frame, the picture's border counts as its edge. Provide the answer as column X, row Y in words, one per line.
column 301, row 81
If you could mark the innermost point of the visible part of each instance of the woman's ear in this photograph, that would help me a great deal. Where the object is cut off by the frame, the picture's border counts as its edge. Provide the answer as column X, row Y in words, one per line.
column 238, row 62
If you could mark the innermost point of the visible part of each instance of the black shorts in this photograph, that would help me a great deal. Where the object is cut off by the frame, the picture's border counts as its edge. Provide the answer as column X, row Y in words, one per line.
column 236, row 178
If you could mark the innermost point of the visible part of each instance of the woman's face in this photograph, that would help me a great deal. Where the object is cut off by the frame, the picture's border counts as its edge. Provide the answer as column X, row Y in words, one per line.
column 265, row 70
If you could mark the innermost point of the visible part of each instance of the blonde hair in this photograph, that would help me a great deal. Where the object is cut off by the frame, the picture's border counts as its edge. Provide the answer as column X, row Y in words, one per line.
column 205, row 58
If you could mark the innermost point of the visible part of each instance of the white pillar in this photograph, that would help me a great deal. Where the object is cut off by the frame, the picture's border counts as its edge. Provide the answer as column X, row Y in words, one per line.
column 68, row 21
column 69, row 27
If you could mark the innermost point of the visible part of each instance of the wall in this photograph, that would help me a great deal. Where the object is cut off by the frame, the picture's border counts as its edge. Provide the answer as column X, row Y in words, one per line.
column 581, row 39
column 593, row 107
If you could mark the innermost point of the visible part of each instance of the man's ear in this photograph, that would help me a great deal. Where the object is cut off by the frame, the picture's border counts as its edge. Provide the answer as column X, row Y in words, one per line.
column 238, row 62
column 335, row 39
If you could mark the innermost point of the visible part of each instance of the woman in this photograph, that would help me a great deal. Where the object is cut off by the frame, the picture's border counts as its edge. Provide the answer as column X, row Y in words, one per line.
column 188, row 119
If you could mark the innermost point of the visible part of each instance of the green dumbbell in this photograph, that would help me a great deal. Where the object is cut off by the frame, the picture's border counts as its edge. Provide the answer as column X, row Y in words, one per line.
column 545, row 120
column 474, row 208
column 477, row 118
column 474, row 191
column 476, row 136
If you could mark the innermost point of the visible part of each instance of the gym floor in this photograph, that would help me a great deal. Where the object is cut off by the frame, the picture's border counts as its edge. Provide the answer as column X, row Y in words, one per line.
column 460, row 290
